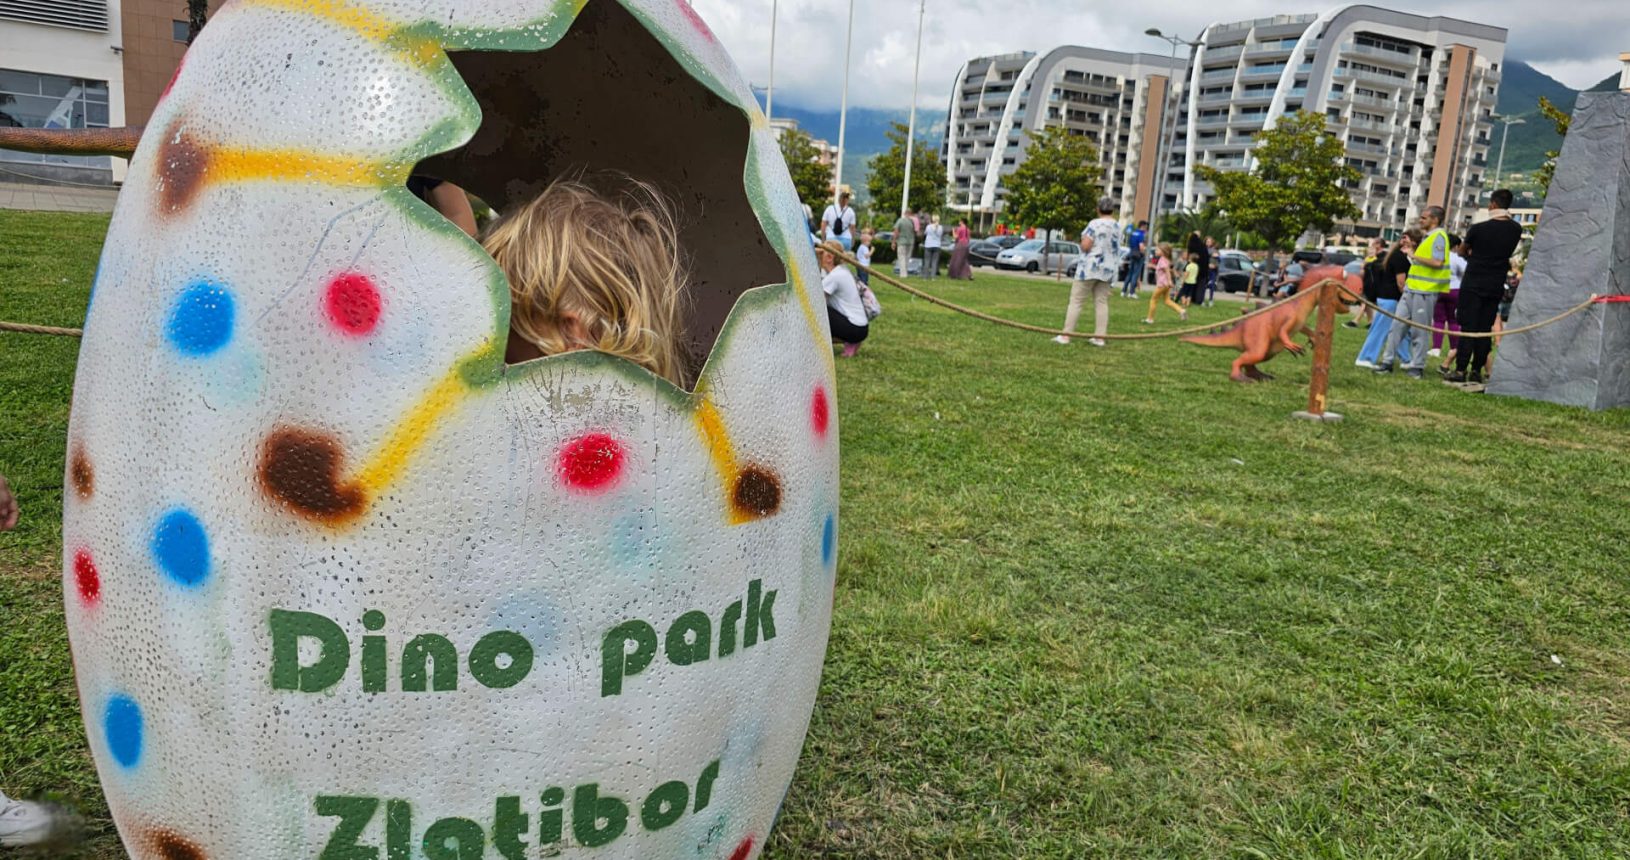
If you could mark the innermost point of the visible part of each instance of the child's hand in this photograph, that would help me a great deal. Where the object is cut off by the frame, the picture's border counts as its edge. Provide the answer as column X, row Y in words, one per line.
column 8, row 506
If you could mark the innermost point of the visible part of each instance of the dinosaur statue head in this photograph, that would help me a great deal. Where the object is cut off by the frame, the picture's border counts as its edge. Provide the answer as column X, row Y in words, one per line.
column 1347, row 296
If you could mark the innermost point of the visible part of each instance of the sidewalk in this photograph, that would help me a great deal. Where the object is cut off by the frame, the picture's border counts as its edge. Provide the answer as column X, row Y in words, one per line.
column 56, row 198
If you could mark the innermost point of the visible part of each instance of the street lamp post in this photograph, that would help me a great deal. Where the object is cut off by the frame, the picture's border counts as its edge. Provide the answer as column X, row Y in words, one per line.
column 911, row 123
column 769, row 94
column 1499, row 166
column 843, row 109
column 1167, row 143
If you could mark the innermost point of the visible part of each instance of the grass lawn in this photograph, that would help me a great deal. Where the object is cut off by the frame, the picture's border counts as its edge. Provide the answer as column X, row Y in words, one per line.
column 1100, row 602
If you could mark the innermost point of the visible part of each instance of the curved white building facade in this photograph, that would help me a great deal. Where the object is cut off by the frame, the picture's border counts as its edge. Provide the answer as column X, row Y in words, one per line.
column 1412, row 97
column 1115, row 99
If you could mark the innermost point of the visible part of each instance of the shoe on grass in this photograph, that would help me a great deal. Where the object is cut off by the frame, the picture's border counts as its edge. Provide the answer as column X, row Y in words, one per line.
column 1383, row 367
column 1367, row 365
column 1148, row 322
column 1454, row 376
column 1434, row 353
column 1062, row 339
column 1350, row 324
column 1095, row 341
column 25, row 824
column 1415, row 373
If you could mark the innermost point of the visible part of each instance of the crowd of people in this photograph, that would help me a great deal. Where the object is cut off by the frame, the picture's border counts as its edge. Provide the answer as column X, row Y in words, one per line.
column 1436, row 279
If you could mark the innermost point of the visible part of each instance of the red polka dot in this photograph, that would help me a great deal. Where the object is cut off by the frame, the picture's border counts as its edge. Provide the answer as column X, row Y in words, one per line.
column 353, row 303
column 743, row 850
column 695, row 19
column 86, row 579
column 591, row 463
column 820, row 411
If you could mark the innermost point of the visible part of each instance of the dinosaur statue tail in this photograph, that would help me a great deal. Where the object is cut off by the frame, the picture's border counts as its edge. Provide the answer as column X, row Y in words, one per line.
column 1228, row 337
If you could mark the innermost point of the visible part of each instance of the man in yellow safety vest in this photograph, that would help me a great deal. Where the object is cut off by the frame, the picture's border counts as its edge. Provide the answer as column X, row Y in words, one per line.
column 1428, row 279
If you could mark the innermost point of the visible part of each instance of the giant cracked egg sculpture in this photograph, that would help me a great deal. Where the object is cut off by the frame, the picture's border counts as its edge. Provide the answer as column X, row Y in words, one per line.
column 343, row 585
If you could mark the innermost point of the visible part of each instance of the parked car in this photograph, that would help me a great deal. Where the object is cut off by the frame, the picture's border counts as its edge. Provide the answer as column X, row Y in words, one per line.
column 1027, row 255
column 984, row 251
column 1234, row 270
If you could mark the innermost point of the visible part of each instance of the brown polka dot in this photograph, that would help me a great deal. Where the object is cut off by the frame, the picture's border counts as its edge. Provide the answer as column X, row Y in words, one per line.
column 81, row 473
column 301, row 470
column 757, row 493
column 182, row 166
column 169, row 845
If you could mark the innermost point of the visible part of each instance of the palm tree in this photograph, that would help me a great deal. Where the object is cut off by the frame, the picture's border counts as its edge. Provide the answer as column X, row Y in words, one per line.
column 197, row 12
column 1208, row 221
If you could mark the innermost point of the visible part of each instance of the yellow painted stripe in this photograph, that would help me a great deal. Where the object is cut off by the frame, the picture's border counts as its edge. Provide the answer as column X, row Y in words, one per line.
column 718, row 444
column 823, row 343
column 411, row 432
column 365, row 23
column 235, row 165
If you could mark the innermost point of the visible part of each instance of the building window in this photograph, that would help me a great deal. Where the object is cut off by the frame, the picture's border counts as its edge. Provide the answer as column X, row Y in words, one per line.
column 179, row 30
column 78, row 15
column 31, row 100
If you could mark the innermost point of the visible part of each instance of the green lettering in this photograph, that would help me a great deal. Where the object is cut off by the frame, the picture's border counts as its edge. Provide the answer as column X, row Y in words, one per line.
column 704, row 785
column 354, row 814
column 589, row 809
column 484, row 659
column 508, row 826
column 551, row 820
column 665, row 805
column 468, row 842
column 374, row 676
column 429, row 647
column 617, row 662
column 689, row 638
column 288, row 628
column 727, row 629
column 398, row 830
column 759, row 617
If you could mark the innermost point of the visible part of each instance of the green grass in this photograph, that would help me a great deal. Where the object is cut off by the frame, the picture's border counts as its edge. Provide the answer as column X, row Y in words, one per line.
column 1102, row 602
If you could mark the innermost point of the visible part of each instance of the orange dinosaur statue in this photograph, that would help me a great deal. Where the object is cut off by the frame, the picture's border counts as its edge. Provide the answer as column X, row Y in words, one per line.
column 1263, row 337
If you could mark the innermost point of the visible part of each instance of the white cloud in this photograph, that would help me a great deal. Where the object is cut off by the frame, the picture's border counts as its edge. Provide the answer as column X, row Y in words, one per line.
column 1583, row 43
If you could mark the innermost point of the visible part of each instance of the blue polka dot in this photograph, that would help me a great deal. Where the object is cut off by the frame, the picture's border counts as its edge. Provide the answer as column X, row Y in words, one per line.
column 122, row 726
column 201, row 320
column 181, row 548
column 829, row 541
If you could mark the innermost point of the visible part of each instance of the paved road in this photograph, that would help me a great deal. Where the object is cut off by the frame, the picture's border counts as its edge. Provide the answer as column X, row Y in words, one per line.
column 56, row 198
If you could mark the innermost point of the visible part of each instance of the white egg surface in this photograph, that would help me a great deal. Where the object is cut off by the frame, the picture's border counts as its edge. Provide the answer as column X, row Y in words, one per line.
column 340, row 583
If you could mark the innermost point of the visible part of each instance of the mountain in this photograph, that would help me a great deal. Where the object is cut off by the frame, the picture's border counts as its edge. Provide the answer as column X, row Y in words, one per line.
column 1520, row 91
column 865, row 135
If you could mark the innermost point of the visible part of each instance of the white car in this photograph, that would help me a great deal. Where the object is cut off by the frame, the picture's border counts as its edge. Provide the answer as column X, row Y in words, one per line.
column 1027, row 255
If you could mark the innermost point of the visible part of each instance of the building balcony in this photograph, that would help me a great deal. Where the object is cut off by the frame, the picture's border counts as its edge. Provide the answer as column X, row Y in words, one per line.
column 1217, row 76
column 1394, row 58
column 1215, row 99
column 1370, row 77
column 1259, row 72
column 1269, row 50
column 1219, row 55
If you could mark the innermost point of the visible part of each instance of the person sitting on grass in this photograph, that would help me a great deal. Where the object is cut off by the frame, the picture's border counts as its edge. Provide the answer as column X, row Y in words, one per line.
column 845, row 312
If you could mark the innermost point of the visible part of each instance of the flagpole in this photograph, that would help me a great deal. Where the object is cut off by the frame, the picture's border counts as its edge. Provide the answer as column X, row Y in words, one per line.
column 843, row 110
column 911, row 124
column 769, row 94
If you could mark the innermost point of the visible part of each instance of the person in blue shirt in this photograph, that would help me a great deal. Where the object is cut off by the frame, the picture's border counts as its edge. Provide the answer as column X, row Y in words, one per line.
column 1135, row 243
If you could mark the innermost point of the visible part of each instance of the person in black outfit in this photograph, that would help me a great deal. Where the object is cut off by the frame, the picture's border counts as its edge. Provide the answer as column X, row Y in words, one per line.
column 1197, row 245
column 1487, row 249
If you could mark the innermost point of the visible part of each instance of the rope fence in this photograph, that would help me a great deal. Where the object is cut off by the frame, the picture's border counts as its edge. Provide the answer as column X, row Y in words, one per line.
column 27, row 328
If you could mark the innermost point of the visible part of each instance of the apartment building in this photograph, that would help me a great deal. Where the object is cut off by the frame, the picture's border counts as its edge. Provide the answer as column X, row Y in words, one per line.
column 61, row 67
column 1411, row 96
column 1117, row 100
column 84, row 64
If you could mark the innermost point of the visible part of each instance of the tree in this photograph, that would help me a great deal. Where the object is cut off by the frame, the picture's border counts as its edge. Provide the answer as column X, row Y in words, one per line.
column 811, row 178
column 197, row 12
column 1057, row 186
column 888, row 174
column 1300, row 182
column 1561, row 119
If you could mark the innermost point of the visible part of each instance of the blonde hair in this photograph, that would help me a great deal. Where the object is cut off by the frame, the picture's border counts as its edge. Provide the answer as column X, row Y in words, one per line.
column 1165, row 249
column 610, row 260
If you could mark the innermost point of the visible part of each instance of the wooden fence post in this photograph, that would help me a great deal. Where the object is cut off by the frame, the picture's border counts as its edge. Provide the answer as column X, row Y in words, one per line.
column 1324, row 332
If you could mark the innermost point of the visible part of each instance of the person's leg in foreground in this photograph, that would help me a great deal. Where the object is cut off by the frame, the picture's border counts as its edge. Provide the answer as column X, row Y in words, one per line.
column 1078, row 297
column 1100, row 311
column 1477, row 315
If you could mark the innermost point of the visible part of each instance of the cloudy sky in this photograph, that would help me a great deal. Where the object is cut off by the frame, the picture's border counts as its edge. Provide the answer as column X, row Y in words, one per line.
column 1579, row 46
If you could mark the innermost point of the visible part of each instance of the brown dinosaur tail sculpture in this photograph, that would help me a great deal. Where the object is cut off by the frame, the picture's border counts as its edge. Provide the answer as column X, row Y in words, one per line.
column 1263, row 337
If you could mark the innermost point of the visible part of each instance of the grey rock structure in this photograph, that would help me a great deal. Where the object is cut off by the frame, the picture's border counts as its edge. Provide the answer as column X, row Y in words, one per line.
column 1582, row 247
